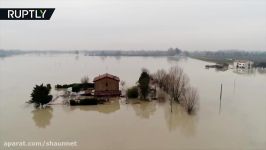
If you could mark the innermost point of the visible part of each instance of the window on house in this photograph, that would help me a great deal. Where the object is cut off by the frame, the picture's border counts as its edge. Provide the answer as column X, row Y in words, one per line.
column 106, row 83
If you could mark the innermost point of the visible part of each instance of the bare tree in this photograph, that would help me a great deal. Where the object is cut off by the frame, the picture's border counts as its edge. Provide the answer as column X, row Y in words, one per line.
column 166, row 82
column 190, row 100
column 176, row 84
column 161, row 96
column 85, row 79
column 123, row 90
column 178, row 81
column 159, row 77
column 122, row 83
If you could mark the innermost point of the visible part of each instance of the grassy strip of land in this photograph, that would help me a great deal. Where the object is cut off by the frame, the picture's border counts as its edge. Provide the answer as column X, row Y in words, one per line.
column 213, row 60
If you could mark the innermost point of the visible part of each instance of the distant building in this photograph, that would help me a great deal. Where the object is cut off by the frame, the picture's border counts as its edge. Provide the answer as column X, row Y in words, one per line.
column 243, row 64
column 106, row 85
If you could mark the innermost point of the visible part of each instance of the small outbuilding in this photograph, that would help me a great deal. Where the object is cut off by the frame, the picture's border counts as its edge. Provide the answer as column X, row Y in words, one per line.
column 106, row 85
column 243, row 64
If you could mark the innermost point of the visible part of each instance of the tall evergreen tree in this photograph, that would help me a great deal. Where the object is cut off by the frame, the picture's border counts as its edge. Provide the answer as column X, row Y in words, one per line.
column 144, row 81
column 40, row 95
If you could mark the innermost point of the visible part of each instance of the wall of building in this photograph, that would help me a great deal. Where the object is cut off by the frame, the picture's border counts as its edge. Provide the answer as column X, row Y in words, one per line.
column 106, row 84
column 243, row 65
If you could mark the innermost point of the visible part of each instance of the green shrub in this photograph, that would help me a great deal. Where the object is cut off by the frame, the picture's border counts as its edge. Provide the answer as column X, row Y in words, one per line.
column 40, row 95
column 76, row 88
column 144, row 81
column 133, row 92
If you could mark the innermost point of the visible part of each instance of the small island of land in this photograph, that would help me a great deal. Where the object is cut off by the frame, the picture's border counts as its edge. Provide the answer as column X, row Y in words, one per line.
column 162, row 85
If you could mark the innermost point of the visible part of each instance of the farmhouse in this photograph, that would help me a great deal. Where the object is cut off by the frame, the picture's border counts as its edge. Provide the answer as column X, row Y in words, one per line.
column 106, row 85
column 243, row 64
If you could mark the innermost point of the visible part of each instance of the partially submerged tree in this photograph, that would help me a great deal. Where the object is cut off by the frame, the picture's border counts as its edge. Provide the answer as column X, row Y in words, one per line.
column 190, row 100
column 166, row 83
column 123, row 89
column 122, row 83
column 161, row 96
column 144, row 81
column 176, row 84
column 159, row 77
column 178, row 81
column 40, row 95
column 85, row 79
column 133, row 92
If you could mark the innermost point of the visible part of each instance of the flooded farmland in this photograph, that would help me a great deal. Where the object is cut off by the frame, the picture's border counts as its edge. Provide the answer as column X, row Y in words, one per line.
column 238, row 122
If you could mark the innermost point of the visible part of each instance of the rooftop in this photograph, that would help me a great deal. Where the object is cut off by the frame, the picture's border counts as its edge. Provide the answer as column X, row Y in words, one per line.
column 106, row 75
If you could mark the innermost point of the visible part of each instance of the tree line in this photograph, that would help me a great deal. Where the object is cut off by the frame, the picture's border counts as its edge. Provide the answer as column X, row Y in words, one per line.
column 169, row 52
column 258, row 57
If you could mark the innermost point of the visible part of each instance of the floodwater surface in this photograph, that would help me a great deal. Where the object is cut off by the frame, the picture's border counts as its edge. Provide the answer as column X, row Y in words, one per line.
column 238, row 122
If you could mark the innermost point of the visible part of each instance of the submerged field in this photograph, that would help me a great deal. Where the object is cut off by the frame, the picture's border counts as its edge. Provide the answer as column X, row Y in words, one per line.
column 239, row 122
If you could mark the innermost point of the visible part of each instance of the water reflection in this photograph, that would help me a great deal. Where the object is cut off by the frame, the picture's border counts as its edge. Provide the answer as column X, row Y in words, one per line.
column 42, row 116
column 106, row 108
column 103, row 58
column 261, row 70
column 244, row 71
column 144, row 109
column 77, row 57
column 179, row 119
column 117, row 58
column 175, row 59
column 221, row 69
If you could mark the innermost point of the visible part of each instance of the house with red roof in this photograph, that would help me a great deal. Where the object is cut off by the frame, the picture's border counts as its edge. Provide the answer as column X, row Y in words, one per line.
column 106, row 85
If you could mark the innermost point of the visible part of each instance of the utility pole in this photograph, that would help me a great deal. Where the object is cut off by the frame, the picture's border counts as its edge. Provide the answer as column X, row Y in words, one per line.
column 221, row 93
column 171, row 104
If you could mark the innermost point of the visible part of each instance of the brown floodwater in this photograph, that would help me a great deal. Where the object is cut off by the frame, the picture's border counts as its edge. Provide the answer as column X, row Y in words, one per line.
column 239, row 122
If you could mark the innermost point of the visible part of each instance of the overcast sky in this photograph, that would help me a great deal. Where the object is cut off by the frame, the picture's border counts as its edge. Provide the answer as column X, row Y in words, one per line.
column 139, row 24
